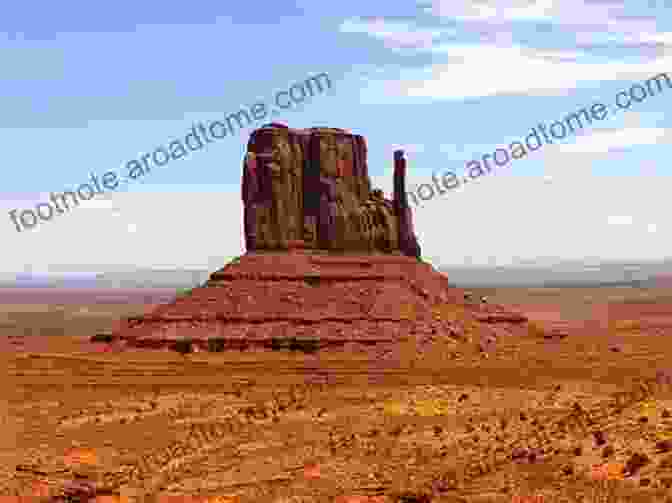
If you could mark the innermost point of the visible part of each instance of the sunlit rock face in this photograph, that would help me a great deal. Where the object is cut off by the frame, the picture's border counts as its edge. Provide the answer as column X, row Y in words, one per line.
column 310, row 188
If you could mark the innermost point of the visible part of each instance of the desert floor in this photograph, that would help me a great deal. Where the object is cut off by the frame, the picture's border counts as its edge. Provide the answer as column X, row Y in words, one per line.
column 531, row 417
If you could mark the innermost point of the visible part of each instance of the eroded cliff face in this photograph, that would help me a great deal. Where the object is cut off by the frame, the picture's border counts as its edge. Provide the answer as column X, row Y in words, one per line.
column 310, row 188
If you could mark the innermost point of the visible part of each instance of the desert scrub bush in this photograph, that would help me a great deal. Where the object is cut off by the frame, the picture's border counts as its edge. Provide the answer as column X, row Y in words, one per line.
column 216, row 345
column 279, row 343
column 418, row 496
column 102, row 337
column 184, row 346
column 312, row 280
column 305, row 345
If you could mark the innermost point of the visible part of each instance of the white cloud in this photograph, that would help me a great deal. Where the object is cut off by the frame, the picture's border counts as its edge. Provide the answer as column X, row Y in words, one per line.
column 619, row 220
column 575, row 12
column 488, row 70
column 593, row 37
column 394, row 34
column 157, row 229
column 475, row 10
column 514, row 217
column 499, row 65
column 606, row 140
column 99, row 202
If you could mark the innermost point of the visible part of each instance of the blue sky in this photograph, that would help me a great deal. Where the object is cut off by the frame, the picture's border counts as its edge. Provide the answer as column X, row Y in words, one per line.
column 87, row 87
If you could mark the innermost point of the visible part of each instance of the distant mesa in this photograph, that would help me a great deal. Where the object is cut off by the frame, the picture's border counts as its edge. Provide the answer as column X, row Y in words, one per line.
column 663, row 281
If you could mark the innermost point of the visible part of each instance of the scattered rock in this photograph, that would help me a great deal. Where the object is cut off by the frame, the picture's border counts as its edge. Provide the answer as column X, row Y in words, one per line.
column 534, row 455
column 412, row 497
column 664, row 377
column 312, row 471
column 636, row 461
column 664, row 446
column 599, row 437
column 448, row 481
column 79, row 490
column 666, row 462
column 567, row 470
column 519, row 453
column 502, row 317
column 398, row 430
column 666, row 482
column 666, row 413
column 608, row 451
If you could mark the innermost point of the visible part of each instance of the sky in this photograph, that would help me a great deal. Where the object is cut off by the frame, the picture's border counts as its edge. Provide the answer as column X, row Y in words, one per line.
column 88, row 87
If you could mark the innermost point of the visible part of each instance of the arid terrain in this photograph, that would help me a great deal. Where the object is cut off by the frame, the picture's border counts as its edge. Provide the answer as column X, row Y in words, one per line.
column 584, row 395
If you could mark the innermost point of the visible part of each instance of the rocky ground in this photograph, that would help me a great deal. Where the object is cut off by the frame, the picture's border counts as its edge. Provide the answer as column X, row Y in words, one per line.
column 478, row 415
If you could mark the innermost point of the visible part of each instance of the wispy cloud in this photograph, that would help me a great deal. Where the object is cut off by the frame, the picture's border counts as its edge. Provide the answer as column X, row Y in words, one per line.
column 395, row 34
column 609, row 140
column 505, row 60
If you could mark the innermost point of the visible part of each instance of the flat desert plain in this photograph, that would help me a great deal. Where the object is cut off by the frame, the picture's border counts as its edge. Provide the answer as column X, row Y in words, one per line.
column 578, row 409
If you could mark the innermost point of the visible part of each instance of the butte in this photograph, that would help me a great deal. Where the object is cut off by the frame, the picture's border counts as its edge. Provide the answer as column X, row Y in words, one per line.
column 329, row 261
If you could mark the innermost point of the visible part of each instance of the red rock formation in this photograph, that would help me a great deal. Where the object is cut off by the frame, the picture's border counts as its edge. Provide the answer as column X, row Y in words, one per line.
column 310, row 188
column 408, row 243
column 334, row 299
column 352, row 275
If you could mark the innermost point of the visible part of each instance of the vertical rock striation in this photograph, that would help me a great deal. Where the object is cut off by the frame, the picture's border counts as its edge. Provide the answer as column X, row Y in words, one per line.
column 310, row 188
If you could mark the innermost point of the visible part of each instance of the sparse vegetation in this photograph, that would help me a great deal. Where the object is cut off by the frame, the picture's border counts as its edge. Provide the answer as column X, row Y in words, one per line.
column 184, row 346
column 102, row 337
column 216, row 345
column 312, row 280
column 279, row 343
column 507, row 424
column 304, row 345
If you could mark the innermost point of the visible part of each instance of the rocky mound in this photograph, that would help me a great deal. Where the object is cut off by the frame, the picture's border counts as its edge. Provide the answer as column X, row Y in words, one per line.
column 267, row 299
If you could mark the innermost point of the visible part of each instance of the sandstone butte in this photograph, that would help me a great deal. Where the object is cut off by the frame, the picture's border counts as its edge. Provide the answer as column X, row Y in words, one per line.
column 327, row 257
